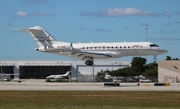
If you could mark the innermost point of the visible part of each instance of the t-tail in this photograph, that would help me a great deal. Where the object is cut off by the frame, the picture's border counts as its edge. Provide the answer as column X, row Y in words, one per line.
column 41, row 36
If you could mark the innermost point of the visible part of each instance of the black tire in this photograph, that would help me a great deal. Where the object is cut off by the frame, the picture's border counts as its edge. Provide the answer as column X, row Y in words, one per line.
column 87, row 62
column 90, row 63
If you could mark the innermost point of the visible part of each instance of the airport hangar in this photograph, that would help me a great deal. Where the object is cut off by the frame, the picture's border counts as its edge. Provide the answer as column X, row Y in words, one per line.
column 40, row 69
column 168, row 71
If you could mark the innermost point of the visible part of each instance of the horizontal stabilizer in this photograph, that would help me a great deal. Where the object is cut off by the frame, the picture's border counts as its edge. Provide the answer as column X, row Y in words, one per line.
column 24, row 30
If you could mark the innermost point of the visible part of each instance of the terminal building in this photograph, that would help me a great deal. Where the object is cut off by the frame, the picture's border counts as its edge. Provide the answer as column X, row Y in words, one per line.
column 40, row 69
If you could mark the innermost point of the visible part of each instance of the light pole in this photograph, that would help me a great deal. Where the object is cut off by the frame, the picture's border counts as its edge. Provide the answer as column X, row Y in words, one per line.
column 1, row 69
column 146, row 38
column 93, row 72
column 146, row 34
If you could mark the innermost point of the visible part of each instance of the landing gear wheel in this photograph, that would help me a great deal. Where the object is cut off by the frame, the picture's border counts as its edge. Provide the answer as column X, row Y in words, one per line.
column 89, row 62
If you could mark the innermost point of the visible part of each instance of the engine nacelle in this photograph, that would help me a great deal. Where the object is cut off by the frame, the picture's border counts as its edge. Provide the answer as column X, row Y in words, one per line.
column 40, row 49
column 60, row 46
column 45, row 48
column 64, row 46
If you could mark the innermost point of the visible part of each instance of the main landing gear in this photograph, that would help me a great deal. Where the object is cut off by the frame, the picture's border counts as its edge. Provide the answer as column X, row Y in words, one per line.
column 89, row 62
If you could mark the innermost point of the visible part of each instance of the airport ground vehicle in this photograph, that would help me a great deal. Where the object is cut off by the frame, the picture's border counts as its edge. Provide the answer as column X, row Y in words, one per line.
column 109, row 80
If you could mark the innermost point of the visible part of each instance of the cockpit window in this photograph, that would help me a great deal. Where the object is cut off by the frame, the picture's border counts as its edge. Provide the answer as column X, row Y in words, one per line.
column 153, row 45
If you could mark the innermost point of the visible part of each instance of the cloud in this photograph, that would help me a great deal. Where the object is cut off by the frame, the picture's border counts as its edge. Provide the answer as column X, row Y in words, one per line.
column 177, row 22
column 24, row 14
column 120, row 12
column 21, row 14
column 164, row 39
column 36, row 1
column 9, row 24
column 177, row 13
column 41, row 14
column 102, row 30
column 167, row 14
column 144, row 24
column 88, row 14
column 171, row 32
column 98, row 29
column 82, row 29
column 168, row 24
column 129, row 12
column 126, row 27
column 160, row 31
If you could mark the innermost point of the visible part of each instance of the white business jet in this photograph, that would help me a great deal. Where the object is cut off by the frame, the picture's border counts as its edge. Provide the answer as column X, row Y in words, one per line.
column 63, row 76
column 90, row 51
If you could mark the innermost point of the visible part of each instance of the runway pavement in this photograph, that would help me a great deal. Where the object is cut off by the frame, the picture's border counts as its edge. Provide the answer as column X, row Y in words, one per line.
column 42, row 85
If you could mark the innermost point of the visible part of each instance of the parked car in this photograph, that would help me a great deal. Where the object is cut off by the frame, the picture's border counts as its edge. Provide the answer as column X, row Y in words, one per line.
column 129, row 80
column 145, row 80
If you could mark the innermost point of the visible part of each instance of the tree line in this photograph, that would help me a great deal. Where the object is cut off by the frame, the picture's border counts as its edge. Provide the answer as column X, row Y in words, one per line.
column 138, row 67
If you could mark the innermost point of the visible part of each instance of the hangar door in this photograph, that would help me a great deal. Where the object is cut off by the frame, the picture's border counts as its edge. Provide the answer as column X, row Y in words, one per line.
column 41, row 72
column 7, row 70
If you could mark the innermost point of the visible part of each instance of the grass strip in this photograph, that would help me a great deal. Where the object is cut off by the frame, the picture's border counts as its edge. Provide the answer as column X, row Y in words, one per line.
column 89, row 99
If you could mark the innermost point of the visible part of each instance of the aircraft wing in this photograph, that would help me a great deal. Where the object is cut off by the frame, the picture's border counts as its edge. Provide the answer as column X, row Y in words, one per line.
column 81, row 54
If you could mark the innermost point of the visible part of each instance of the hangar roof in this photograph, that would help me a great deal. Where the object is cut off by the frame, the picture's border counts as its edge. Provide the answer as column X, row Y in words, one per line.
column 44, row 63
column 6, row 64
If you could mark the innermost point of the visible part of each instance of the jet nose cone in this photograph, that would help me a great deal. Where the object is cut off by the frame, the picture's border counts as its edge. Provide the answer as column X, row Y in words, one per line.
column 163, row 51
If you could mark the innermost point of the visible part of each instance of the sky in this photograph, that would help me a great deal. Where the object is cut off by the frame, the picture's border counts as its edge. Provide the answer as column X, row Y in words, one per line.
column 88, row 21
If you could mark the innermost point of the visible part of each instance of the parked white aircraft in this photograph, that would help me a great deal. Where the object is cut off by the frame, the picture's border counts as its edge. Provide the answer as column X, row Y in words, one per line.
column 63, row 76
column 6, row 77
column 90, row 51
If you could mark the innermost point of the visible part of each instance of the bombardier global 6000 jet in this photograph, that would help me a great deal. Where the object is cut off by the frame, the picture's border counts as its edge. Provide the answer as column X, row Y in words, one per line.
column 90, row 51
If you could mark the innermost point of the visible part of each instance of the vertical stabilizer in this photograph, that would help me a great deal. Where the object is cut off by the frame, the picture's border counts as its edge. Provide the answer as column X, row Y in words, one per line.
column 41, row 36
